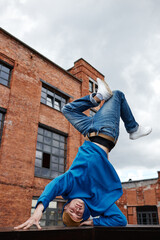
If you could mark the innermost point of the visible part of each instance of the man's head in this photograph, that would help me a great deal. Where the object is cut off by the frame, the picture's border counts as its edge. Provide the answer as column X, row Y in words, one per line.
column 75, row 212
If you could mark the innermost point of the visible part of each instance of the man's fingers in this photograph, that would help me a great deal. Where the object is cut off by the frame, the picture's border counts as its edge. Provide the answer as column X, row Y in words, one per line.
column 21, row 226
column 38, row 226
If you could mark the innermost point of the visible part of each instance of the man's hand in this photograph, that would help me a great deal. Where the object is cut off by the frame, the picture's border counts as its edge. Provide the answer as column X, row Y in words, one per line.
column 34, row 220
column 87, row 223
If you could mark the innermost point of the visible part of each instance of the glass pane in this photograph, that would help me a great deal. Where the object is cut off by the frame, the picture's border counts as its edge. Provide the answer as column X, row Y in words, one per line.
column 38, row 171
column 62, row 145
column 4, row 75
column 39, row 146
column 43, row 100
column 64, row 100
column 58, row 97
column 55, row 143
column 54, row 159
column 38, row 163
column 56, row 136
column 50, row 93
column 54, row 174
column 42, row 223
column 47, row 133
column 47, row 140
column 43, row 95
column 52, row 215
column 57, row 104
column 38, row 154
column 49, row 101
column 61, row 153
column 61, row 160
column 44, row 89
column 4, row 82
column 40, row 138
column 54, row 166
column 5, row 69
column 40, row 130
column 55, row 151
column 47, row 148
column 61, row 168
column 46, row 172
column 62, row 138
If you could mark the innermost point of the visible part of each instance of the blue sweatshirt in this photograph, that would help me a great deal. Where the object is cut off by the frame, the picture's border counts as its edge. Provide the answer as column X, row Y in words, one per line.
column 91, row 178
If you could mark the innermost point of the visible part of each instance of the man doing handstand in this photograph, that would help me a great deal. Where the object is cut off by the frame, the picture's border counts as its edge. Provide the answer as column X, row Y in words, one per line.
column 91, row 185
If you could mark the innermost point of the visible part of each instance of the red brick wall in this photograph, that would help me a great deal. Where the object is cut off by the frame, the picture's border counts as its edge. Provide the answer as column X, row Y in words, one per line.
column 140, row 193
column 24, row 112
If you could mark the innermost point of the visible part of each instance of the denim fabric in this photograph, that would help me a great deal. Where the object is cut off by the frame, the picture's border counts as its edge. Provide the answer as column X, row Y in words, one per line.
column 106, row 120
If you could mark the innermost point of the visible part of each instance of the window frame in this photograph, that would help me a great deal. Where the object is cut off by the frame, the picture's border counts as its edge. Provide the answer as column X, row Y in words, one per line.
column 3, row 112
column 58, row 153
column 56, row 207
column 145, row 215
column 55, row 95
column 94, row 85
column 10, row 67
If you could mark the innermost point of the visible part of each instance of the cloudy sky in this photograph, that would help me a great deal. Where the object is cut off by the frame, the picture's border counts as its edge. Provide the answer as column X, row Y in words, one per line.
column 121, row 38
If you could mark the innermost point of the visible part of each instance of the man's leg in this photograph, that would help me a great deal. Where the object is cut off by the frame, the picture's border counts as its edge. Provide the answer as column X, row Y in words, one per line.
column 113, row 217
column 106, row 120
column 74, row 113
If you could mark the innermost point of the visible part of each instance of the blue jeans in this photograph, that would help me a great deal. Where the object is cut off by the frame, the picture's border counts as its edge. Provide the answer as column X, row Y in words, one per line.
column 107, row 118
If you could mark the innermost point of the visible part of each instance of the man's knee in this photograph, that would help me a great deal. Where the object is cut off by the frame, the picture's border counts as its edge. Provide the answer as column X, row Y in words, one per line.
column 67, row 108
column 123, row 221
column 118, row 93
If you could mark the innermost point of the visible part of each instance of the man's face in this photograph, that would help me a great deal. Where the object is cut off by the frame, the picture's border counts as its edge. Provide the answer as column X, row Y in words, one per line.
column 75, row 209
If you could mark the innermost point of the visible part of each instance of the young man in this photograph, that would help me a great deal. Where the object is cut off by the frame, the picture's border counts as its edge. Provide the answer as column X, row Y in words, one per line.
column 91, row 185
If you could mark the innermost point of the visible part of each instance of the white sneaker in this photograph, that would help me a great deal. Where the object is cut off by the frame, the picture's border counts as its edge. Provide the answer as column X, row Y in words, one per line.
column 104, row 89
column 141, row 132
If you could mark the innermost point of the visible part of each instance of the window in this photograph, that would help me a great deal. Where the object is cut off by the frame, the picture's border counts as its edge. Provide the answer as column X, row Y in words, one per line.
column 147, row 215
column 93, row 86
column 50, row 154
column 2, row 115
column 52, row 215
column 53, row 98
column 5, row 73
column 90, row 86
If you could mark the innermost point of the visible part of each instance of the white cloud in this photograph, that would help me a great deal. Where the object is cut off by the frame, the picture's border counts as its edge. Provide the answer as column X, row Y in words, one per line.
column 120, row 39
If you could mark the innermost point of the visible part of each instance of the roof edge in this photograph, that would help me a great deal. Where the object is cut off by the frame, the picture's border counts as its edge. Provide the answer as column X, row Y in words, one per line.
column 89, row 65
column 38, row 53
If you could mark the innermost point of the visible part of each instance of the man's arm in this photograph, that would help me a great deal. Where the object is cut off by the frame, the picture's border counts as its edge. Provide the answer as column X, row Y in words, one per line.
column 61, row 185
column 33, row 220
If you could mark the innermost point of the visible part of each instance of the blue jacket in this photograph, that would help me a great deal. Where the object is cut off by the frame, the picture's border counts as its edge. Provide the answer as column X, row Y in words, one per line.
column 91, row 178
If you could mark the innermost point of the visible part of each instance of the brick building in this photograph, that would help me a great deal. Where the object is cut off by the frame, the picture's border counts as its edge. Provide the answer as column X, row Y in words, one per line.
column 141, row 201
column 37, row 143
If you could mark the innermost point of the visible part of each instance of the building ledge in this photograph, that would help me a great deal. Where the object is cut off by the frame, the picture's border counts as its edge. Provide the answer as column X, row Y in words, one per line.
column 83, row 233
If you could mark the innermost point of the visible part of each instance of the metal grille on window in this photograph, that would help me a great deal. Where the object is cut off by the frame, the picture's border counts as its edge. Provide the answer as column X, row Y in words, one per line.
column 52, row 99
column 147, row 215
column 5, row 72
column 50, row 154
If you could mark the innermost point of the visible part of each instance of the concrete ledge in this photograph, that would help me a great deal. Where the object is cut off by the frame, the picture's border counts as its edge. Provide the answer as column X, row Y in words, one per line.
column 130, row 232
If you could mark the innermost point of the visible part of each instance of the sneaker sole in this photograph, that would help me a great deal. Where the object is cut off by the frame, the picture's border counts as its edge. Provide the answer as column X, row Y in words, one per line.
column 134, row 138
